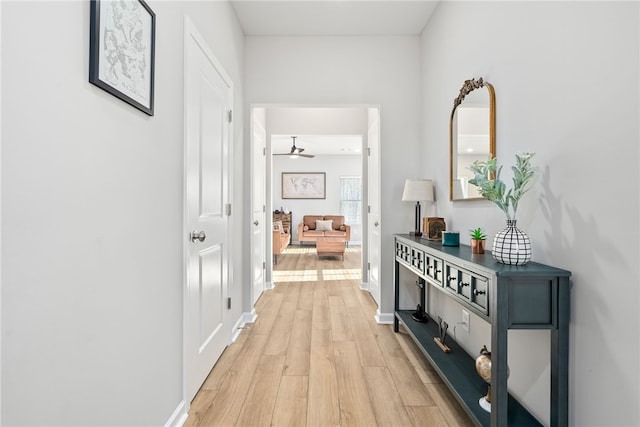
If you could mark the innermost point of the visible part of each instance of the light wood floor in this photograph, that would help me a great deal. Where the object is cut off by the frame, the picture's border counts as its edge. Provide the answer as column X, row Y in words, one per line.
column 316, row 357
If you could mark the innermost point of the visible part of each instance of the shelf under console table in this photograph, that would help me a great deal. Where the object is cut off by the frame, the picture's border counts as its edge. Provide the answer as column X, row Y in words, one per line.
column 532, row 296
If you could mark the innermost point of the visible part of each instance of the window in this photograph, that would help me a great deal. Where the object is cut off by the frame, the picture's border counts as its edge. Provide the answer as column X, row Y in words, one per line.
column 351, row 199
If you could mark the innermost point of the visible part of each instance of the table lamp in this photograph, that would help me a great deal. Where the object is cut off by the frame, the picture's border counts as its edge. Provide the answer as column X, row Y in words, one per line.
column 414, row 191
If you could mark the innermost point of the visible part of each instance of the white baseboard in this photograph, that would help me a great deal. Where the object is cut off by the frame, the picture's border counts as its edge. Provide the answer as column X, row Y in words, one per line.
column 268, row 286
column 249, row 317
column 384, row 318
column 364, row 286
column 242, row 321
column 179, row 416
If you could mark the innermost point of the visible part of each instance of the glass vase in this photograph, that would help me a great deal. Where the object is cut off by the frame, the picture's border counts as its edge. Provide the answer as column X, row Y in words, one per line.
column 512, row 246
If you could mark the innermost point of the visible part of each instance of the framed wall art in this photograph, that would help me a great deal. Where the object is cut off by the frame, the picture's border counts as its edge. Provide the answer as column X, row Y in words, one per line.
column 122, row 50
column 303, row 185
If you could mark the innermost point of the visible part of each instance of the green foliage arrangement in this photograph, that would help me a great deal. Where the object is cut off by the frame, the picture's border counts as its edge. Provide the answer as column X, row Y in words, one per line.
column 478, row 234
column 487, row 179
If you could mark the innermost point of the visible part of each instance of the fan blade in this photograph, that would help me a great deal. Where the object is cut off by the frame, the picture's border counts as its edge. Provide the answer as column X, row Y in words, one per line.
column 311, row 156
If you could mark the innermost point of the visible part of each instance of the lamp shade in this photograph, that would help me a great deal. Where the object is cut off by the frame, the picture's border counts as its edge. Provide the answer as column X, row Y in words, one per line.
column 416, row 190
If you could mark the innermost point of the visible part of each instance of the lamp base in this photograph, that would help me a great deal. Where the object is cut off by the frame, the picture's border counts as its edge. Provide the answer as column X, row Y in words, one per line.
column 415, row 233
column 419, row 315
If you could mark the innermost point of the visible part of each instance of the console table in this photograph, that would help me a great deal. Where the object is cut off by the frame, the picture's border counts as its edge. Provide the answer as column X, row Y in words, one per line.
column 532, row 296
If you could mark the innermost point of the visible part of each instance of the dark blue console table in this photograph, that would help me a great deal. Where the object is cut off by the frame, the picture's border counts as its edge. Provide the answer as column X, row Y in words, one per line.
column 532, row 296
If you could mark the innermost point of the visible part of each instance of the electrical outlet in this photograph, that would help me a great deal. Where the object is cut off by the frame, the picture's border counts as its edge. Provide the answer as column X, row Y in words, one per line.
column 465, row 320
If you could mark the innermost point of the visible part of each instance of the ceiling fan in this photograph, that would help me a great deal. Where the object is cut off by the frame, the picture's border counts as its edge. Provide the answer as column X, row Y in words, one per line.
column 295, row 151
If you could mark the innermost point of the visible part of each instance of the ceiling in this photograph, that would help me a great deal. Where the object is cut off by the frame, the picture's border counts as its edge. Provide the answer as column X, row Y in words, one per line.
column 333, row 17
column 318, row 144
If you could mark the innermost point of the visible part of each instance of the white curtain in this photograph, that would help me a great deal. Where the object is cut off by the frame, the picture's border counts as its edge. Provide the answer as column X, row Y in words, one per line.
column 351, row 199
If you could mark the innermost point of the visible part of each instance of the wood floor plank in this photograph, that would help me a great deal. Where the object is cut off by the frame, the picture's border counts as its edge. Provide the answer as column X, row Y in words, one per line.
column 449, row 406
column 259, row 403
column 305, row 301
column 366, row 343
column 228, row 401
column 333, row 288
column 283, row 323
column 323, row 404
column 340, row 326
column 321, row 316
column 298, row 351
column 199, row 407
column 223, row 365
column 291, row 403
column 412, row 390
column 355, row 403
column 420, row 363
column 387, row 404
column 367, row 302
column 349, row 297
column 267, row 316
column 426, row 416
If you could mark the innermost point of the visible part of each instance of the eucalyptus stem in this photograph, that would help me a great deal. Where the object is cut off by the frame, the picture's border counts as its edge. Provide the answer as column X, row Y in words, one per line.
column 487, row 179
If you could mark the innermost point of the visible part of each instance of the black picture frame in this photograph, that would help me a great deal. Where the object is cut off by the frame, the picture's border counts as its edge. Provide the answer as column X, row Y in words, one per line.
column 122, row 51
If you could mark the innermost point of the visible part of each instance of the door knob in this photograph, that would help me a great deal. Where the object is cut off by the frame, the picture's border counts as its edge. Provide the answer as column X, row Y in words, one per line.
column 198, row 235
column 256, row 222
column 375, row 224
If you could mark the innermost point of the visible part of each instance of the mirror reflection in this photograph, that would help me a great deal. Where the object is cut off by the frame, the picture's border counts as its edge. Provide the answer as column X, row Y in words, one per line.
column 472, row 135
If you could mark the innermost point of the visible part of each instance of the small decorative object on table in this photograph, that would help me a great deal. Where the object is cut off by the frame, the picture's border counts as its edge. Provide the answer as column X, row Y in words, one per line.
column 483, row 367
column 433, row 226
column 511, row 245
column 478, row 240
column 442, row 331
column 450, row 238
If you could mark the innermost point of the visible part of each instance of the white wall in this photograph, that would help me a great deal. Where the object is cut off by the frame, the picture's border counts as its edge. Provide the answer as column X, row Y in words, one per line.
column 381, row 71
column 334, row 166
column 566, row 81
column 92, row 196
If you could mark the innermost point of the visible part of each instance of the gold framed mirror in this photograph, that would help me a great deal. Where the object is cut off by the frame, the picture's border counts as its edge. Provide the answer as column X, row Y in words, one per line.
column 472, row 131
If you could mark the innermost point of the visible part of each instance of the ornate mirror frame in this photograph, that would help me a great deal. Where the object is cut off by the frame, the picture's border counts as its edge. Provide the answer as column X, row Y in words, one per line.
column 468, row 87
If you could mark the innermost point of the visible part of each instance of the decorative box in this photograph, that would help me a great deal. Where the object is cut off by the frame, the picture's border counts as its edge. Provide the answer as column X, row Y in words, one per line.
column 450, row 238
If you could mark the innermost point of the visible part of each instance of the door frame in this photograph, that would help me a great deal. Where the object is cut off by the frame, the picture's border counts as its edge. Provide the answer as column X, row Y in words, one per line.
column 266, row 242
column 269, row 186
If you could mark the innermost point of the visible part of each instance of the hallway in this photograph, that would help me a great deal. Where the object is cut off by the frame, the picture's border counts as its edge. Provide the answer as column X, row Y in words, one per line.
column 316, row 357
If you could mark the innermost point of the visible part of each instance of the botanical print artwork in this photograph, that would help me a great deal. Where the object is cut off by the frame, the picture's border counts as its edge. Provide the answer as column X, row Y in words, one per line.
column 125, row 51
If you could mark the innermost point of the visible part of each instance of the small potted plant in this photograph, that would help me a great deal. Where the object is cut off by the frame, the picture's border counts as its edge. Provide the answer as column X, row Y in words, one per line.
column 478, row 240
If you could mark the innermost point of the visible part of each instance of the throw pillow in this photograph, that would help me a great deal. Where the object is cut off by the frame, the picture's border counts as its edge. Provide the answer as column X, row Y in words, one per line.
column 324, row 225
column 277, row 226
column 305, row 228
column 343, row 227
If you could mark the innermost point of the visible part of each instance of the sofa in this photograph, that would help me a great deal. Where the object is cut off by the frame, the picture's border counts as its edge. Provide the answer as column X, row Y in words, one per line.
column 329, row 226
column 281, row 239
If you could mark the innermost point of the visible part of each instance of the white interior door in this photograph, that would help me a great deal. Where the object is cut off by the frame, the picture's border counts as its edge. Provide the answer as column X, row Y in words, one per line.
column 208, row 100
column 373, row 194
column 258, row 197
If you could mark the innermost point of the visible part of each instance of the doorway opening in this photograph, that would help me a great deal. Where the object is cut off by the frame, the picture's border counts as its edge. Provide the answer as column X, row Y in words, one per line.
column 337, row 142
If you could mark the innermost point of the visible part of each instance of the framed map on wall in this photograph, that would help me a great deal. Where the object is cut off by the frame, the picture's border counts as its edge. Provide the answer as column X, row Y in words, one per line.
column 303, row 185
